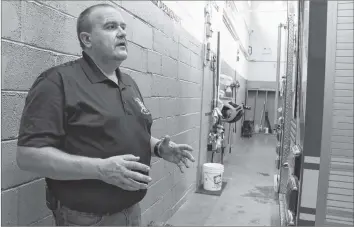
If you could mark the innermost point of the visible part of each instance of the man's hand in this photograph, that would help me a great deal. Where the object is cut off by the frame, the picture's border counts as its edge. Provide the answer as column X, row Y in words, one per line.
column 176, row 153
column 119, row 171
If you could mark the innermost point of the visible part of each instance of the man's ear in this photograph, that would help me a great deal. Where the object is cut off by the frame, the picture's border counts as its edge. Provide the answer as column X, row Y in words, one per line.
column 85, row 38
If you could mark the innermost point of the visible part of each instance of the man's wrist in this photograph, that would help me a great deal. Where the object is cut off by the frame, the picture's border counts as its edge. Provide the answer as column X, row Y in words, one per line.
column 157, row 149
column 95, row 167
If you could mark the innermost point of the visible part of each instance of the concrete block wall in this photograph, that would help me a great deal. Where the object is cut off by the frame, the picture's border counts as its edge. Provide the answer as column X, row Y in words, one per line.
column 165, row 61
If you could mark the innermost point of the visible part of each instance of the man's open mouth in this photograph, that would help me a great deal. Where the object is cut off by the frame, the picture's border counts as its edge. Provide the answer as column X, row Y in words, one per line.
column 121, row 45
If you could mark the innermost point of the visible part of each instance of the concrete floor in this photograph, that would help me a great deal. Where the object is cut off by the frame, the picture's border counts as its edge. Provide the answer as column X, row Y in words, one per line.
column 248, row 198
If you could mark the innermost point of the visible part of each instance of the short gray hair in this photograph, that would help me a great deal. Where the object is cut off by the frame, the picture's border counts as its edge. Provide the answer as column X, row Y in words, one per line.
column 83, row 22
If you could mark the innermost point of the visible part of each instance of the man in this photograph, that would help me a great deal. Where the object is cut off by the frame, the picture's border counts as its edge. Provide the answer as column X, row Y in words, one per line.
column 86, row 130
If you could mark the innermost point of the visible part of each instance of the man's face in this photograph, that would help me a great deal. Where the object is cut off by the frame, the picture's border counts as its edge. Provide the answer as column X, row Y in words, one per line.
column 108, row 36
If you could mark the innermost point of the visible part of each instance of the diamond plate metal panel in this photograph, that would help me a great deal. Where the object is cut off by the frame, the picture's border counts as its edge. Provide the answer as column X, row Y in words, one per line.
column 283, row 210
column 288, row 96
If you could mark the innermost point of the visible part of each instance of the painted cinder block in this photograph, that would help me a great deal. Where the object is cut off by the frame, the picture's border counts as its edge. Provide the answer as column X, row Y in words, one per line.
column 196, row 61
column 9, row 207
column 188, row 121
column 144, row 82
column 160, row 42
column 12, row 106
column 184, row 54
column 197, row 49
column 153, row 105
column 154, row 62
column 169, row 167
column 61, row 59
column 156, row 172
column 74, row 8
column 173, row 48
column 159, row 128
column 47, row 221
column 152, row 213
column 139, row 27
column 163, row 86
column 172, row 127
column 11, row 174
column 57, row 33
column 168, row 107
column 21, row 65
column 129, row 19
column 174, row 88
column 137, row 58
column 145, row 10
column 189, row 105
column 156, row 192
column 197, row 74
column 184, row 72
column 180, row 196
column 190, row 90
column 172, row 28
column 32, row 203
column 11, row 10
column 169, row 67
column 185, row 38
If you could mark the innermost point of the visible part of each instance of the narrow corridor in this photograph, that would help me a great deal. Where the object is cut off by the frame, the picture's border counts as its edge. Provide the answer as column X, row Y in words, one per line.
column 248, row 198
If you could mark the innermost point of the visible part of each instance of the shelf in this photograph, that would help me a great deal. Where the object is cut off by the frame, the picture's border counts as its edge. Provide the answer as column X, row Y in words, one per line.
column 261, row 89
column 226, row 98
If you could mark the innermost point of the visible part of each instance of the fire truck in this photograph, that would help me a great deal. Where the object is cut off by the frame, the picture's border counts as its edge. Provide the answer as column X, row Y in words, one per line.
column 314, row 153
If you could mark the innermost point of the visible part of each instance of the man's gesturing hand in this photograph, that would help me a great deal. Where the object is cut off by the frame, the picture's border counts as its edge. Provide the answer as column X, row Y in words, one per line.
column 121, row 171
column 176, row 153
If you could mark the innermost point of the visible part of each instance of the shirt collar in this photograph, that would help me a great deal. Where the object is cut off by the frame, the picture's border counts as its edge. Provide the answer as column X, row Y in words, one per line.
column 95, row 75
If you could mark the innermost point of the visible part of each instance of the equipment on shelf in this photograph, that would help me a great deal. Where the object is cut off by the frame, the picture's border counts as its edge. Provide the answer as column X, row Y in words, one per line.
column 224, row 113
column 231, row 112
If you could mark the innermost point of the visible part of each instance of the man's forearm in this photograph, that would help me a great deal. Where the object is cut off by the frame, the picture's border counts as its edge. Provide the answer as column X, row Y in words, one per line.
column 55, row 164
column 153, row 142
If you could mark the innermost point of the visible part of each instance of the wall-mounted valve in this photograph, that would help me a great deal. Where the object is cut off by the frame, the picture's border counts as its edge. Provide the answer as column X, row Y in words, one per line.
column 216, row 137
column 213, row 62
column 209, row 31
column 208, row 52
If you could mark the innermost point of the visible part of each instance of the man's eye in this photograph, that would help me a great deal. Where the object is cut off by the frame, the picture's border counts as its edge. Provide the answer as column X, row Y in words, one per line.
column 111, row 26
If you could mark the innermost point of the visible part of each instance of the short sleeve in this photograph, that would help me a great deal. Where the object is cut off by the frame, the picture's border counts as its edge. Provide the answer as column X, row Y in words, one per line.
column 149, row 124
column 42, row 121
column 138, row 90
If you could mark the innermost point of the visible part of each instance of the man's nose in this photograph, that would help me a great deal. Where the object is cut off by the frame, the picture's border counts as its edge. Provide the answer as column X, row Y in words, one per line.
column 121, row 33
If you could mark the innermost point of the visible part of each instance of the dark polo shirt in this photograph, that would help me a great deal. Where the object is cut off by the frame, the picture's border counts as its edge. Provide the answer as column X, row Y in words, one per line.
column 75, row 108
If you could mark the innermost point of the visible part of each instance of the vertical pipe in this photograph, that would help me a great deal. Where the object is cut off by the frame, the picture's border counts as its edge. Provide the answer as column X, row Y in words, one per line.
column 218, row 67
column 277, row 76
column 255, row 106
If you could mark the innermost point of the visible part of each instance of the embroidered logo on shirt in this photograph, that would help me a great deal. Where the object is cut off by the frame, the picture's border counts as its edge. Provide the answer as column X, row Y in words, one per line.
column 143, row 110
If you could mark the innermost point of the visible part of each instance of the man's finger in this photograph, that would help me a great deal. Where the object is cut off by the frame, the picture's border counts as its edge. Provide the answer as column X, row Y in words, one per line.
column 130, row 157
column 166, row 140
column 128, row 188
column 184, row 160
column 137, row 176
column 133, row 184
column 185, row 147
column 136, row 166
column 180, row 166
column 186, row 154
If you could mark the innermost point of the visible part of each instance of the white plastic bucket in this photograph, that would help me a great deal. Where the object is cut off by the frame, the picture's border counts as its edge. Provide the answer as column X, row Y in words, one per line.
column 213, row 173
column 266, row 130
